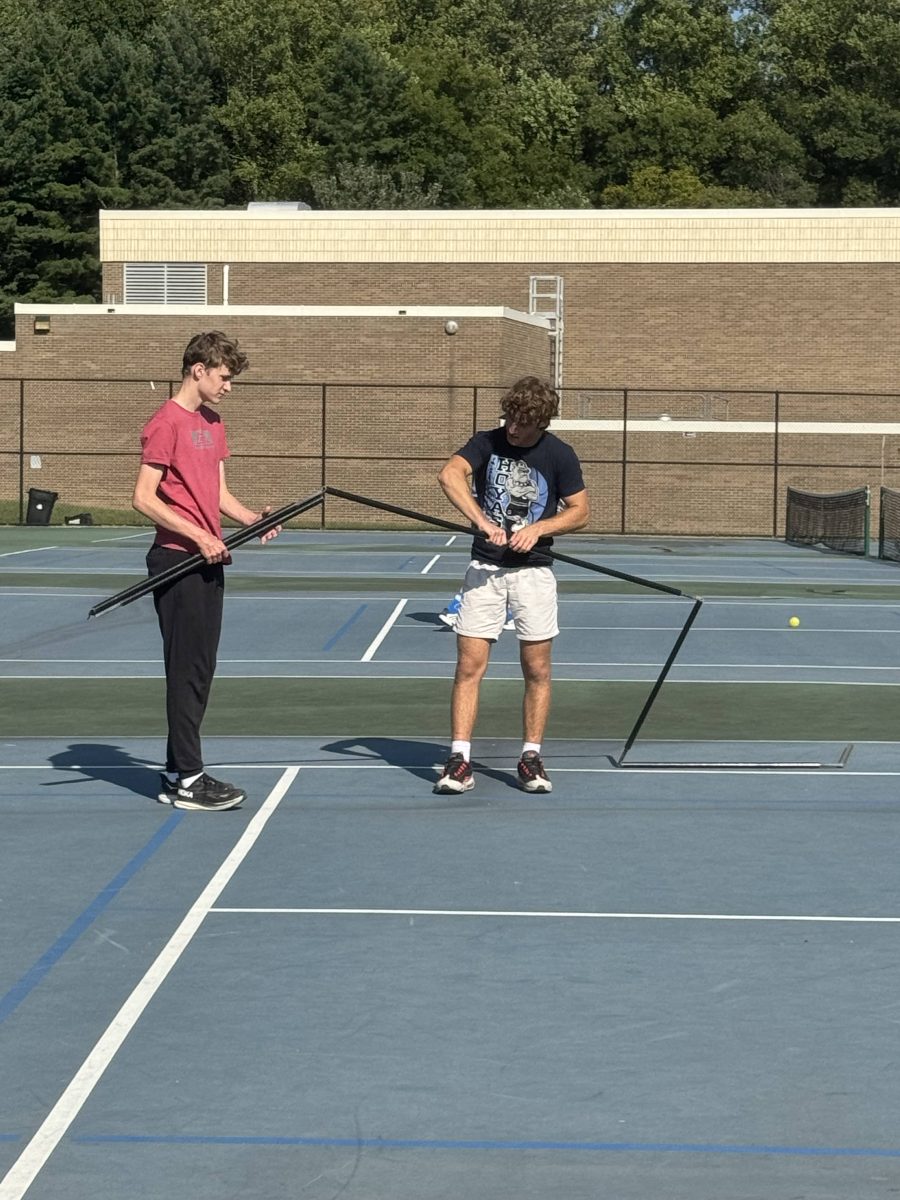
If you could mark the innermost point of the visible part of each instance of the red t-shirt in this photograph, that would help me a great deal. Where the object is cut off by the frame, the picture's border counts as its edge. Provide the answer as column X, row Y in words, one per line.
column 189, row 447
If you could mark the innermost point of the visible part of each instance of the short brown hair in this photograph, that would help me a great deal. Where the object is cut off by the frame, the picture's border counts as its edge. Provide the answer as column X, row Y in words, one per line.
column 214, row 349
column 531, row 401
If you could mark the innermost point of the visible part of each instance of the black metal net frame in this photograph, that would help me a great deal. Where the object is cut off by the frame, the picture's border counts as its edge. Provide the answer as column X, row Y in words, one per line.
column 271, row 520
column 652, row 585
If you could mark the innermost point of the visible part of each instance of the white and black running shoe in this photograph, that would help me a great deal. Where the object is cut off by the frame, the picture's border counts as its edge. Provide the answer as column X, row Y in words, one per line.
column 205, row 794
column 456, row 777
column 532, row 776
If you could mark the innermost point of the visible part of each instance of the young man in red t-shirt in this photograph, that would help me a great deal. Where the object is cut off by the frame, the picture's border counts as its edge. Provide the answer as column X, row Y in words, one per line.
column 181, row 488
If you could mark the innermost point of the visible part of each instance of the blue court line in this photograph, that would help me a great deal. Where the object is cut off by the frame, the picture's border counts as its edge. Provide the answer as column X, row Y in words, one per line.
column 406, row 562
column 29, row 981
column 485, row 1144
column 346, row 625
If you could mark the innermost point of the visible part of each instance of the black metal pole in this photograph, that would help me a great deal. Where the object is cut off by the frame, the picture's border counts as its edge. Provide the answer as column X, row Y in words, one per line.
column 776, row 451
column 648, row 704
column 456, row 527
column 21, row 451
column 624, row 496
column 324, row 450
column 232, row 541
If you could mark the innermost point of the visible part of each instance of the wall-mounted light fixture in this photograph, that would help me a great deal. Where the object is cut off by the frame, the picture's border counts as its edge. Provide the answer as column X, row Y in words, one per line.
column 41, row 325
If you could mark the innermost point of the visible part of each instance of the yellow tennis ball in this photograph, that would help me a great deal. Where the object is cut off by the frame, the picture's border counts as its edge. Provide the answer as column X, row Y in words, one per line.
column 794, row 622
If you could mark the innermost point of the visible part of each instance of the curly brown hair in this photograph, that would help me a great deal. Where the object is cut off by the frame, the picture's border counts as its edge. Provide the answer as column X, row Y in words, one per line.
column 214, row 349
column 530, row 401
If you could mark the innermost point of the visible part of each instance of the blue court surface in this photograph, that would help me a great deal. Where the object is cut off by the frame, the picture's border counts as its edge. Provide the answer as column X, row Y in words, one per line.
column 679, row 983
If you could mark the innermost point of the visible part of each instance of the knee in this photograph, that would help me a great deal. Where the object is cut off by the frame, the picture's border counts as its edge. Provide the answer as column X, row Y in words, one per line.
column 470, row 668
column 537, row 674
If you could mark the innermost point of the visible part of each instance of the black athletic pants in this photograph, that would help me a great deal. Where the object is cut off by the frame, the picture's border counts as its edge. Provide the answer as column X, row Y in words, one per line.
column 190, row 621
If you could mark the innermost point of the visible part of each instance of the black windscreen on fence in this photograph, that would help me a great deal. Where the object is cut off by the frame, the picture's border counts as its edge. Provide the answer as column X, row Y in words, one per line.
column 835, row 520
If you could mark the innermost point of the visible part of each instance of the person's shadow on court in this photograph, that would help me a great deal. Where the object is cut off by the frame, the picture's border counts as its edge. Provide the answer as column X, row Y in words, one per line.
column 96, row 762
column 422, row 759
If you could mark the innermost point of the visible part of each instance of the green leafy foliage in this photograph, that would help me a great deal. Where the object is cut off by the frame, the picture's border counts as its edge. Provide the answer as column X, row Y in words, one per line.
column 417, row 103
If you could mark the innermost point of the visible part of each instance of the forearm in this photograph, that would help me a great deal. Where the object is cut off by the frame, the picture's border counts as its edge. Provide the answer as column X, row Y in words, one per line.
column 231, row 507
column 570, row 520
column 458, row 491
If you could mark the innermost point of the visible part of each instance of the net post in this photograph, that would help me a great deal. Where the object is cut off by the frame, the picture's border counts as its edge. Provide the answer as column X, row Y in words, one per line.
column 868, row 521
column 623, row 499
column 661, row 678
column 776, row 452
column 21, row 451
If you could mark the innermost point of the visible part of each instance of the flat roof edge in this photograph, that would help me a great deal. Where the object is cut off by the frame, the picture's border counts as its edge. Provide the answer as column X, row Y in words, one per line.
column 442, row 311
column 511, row 214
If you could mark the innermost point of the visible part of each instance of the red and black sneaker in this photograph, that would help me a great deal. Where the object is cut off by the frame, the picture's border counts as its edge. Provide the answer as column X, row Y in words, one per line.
column 532, row 776
column 456, row 776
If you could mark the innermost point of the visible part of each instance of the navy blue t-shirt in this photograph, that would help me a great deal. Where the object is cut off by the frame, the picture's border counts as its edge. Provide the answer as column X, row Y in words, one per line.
column 517, row 486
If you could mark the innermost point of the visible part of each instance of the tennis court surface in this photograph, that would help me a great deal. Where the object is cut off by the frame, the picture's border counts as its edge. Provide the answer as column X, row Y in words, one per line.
column 677, row 983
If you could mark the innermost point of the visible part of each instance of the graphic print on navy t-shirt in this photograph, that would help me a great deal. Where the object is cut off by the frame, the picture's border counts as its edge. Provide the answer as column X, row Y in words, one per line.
column 515, row 494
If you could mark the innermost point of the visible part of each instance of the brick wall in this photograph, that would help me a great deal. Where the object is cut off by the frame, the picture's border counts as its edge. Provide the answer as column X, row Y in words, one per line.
column 486, row 350
column 94, row 380
column 796, row 327
column 700, row 331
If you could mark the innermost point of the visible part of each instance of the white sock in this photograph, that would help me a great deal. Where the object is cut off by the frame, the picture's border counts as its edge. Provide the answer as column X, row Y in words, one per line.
column 463, row 748
column 535, row 746
column 187, row 780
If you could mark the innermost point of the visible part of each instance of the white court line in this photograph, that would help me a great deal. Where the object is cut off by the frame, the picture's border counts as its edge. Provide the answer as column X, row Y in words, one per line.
column 698, row 629
column 385, row 630
column 450, row 541
column 595, row 916
column 408, row 677
column 705, row 772
column 124, row 538
column 842, row 772
column 742, row 601
column 439, row 662
column 63, row 594
column 651, row 666
column 428, row 566
column 32, row 1159
column 11, row 592
column 33, row 550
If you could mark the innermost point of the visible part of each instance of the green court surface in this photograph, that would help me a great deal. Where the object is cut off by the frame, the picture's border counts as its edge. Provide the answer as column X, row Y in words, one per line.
column 420, row 708
column 82, row 565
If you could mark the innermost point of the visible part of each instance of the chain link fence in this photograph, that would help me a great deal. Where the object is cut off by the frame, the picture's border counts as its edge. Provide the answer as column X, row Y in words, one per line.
column 663, row 462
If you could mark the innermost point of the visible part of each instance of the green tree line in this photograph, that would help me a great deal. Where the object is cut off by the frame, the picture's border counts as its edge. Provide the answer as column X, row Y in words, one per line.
column 424, row 104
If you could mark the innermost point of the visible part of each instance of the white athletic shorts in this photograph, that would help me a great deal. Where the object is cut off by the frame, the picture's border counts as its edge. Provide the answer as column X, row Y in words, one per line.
column 489, row 590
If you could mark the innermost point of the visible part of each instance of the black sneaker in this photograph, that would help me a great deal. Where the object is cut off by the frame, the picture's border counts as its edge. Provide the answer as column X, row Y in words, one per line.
column 167, row 790
column 207, row 794
column 456, row 776
column 532, row 776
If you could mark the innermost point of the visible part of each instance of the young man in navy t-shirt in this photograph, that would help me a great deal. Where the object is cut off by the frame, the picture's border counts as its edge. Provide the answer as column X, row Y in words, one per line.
column 519, row 486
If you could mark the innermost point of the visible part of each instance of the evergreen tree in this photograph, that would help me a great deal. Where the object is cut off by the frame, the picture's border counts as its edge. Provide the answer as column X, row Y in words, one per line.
column 93, row 117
